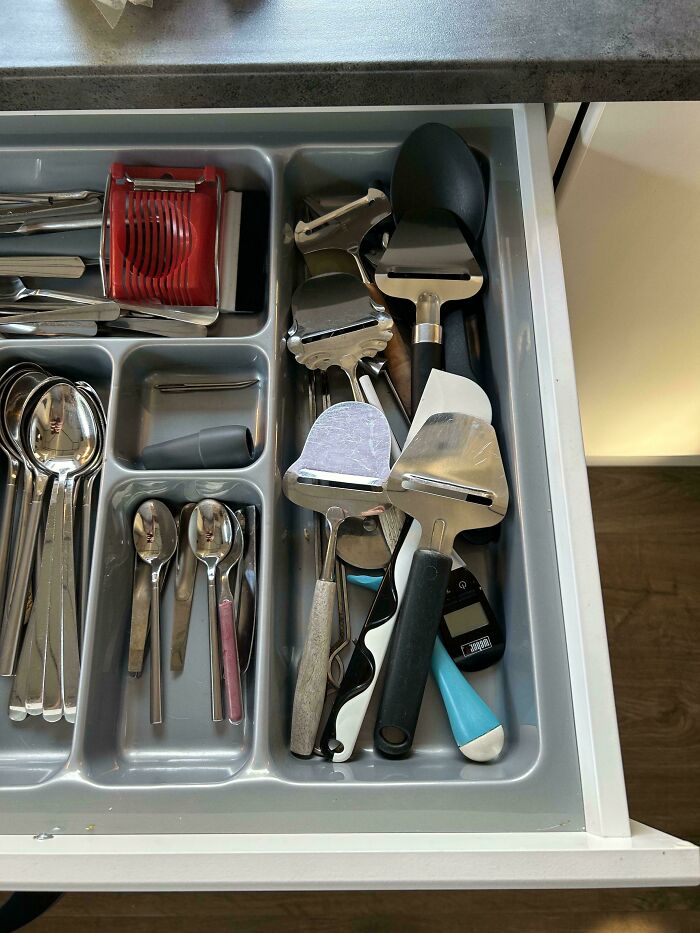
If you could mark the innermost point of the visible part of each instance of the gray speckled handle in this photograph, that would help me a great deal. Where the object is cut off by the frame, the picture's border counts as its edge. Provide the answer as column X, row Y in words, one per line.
column 310, row 689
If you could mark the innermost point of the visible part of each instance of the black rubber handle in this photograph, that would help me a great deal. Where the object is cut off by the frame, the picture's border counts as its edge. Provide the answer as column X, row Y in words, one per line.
column 425, row 358
column 410, row 652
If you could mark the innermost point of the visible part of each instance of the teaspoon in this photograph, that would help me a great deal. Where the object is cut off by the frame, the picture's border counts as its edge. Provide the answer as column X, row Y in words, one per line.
column 155, row 540
column 210, row 535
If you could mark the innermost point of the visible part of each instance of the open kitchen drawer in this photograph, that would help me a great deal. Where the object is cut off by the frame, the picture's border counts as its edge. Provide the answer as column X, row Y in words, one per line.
column 112, row 804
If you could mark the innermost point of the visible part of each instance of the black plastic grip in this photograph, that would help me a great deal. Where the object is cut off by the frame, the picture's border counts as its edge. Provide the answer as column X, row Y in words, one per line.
column 410, row 652
column 425, row 358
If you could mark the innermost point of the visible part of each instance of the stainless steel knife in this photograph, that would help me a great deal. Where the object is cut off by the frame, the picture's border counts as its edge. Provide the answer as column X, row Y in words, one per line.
column 185, row 575
column 140, row 612
column 246, row 586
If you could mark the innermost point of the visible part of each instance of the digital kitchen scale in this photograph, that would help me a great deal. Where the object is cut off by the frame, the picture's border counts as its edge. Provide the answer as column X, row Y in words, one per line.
column 470, row 631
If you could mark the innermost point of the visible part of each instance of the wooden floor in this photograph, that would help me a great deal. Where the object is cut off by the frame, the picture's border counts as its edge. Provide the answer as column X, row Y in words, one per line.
column 648, row 531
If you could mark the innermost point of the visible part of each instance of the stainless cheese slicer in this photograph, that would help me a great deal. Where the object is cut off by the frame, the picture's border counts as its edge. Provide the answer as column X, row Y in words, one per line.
column 450, row 478
column 342, row 472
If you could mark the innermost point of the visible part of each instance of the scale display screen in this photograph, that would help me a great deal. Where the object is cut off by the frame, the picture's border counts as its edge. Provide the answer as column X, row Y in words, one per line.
column 466, row 619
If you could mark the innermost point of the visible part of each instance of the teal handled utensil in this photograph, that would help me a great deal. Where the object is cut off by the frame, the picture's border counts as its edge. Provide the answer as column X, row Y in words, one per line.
column 477, row 730
column 366, row 580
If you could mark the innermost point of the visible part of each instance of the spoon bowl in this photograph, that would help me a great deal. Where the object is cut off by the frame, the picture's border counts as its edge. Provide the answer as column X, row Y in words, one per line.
column 62, row 431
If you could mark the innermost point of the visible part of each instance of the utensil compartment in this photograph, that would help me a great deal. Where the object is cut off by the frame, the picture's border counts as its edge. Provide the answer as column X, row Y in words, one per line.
column 529, row 689
column 33, row 750
column 247, row 170
column 164, row 394
column 121, row 746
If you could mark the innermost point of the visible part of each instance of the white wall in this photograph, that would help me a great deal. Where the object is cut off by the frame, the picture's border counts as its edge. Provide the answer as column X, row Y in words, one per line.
column 629, row 218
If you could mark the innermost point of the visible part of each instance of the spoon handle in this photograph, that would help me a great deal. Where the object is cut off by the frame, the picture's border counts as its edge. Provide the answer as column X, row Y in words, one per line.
column 22, row 518
column 229, row 650
column 140, row 609
column 217, row 714
column 156, row 694
column 85, row 552
column 8, row 511
column 70, row 655
column 51, row 698
column 17, row 601
column 50, row 569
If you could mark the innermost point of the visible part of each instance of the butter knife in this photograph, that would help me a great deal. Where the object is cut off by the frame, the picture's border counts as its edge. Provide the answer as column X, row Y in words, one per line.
column 185, row 575
column 140, row 612
column 246, row 586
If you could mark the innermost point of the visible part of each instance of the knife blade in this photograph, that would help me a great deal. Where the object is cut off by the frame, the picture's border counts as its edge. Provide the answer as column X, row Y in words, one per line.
column 140, row 612
column 185, row 575
column 246, row 586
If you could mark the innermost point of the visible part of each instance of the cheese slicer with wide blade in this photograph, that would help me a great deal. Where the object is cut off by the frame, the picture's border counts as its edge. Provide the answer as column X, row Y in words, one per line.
column 342, row 472
column 429, row 262
column 450, row 477
column 336, row 323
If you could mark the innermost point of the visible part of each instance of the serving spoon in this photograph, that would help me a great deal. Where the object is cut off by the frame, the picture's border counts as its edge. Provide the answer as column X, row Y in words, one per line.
column 62, row 438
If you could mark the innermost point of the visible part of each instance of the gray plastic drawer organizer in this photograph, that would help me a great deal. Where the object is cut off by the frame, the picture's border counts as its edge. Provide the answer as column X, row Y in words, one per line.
column 115, row 773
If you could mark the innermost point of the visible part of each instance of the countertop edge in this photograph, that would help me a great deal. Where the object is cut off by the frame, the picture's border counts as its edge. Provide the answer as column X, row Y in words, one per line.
column 382, row 84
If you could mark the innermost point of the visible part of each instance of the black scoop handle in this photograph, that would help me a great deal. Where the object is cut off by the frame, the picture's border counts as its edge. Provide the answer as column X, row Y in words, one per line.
column 410, row 652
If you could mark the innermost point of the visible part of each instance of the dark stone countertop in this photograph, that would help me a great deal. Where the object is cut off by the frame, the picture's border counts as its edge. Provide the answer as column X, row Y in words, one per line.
column 61, row 54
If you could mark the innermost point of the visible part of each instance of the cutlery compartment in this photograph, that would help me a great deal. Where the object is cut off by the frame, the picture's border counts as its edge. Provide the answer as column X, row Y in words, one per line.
column 33, row 750
column 121, row 746
column 146, row 415
column 59, row 166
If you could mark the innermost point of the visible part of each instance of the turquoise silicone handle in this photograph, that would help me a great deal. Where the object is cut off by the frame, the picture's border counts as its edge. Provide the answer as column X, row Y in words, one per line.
column 363, row 579
column 470, row 718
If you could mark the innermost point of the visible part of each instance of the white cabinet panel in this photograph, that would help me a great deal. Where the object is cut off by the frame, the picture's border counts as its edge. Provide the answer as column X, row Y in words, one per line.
column 628, row 208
